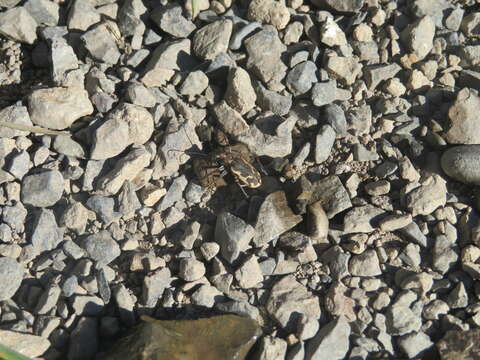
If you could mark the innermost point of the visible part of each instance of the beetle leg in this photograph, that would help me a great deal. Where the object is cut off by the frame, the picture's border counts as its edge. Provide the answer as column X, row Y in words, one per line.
column 260, row 165
column 243, row 190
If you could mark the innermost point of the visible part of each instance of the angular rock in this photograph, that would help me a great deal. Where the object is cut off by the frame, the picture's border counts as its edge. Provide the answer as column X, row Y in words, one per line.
column 101, row 248
column 231, row 121
column 11, row 276
column 249, row 274
column 233, row 235
column 324, row 93
column 274, row 218
column 43, row 189
column 212, row 39
column 154, row 285
column 463, row 118
column 269, row 100
column 15, row 115
column 65, row 145
column 324, row 143
column 335, row 116
column 332, row 195
column 331, row 34
column 58, row 107
column 101, row 43
column 46, row 234
column 375, row 74
column 332, row 341
column 195, row 83
column 459, row 344
column 301, row 78
column 269, row 12
column 126, row 125
column 82, row 15
column 345, row 69
column 173, row 55
column 26, row 344
column 426, row 198
column 365, row 264
column 170, row 20
column 401, row 320
column 362, row 219
column 271, row 348
column 19, row 25
column 414, row 344
column 418, row 37
column 240, row 94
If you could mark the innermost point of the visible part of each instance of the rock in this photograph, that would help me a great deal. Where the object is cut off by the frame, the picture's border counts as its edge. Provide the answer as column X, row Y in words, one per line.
column 402, row 320
column 15, row 115
column 194, row 84
column 335, row 116
column 170, row 20
column 58, row 107
column 45, row 235
column 233, row 235
column 82, row 15
column 221, row 337
column 274, row 218
column 240, row 94
column 331, row 34
column 65, row 145
column 347, row 6
column 375, row 74
column 290, row 298
column 324, row 143
column 84, row 339
column 19, row 25
column 270, row 135
column 469, row 55
column 345, row 69
column 338, row 303
column 269, row 69
column 301, row 78
column 324, row 93
column 463, row 129
column 26, row 344
column 126, row 125
column 271, row 348
column 462, row 163
column 459, row 344
column 205, row 296
column 231, row 121
column 458, row 297
column 317, row 222
column 414, row 344
column 191, row 269
column 138, row 94
column 444, row 254
column 154, row 285
column 269, row 12
column 172, row 55
column 48, row 299
column 365, row 264
column 130, row 18
column 418, row 37
column 470, row 25
column 249, row 274
column 413, row 233
column 19, row 165
column 269, row 100
column 104, row 208
column 14, row 216
column 332, row 195
column 212, row 39
column 101, row 248
column 362, row 219
column 11, row 276
column 125, row 304
column 87, row 305
column 426, row 198
column 395, row 222
column 331, row 341
column 126, row 169
column 101, row 44
column 43, row 189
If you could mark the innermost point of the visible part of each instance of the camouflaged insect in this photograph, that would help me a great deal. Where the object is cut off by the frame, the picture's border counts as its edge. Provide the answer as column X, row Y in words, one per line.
column 235, row 159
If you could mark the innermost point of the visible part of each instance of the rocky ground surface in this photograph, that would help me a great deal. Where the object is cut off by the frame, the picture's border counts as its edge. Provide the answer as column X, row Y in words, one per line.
column 363, row 240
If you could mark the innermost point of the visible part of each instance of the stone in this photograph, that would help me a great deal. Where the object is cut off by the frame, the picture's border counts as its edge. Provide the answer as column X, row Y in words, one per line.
column 338, row 303
column 45, row 235
column 82, row 16
column 101, row 43
column 174, row 193
column 365, row 264
column 126, row 125
column 212, row 39
column 363, row 32
column 269, row 100
column 83, row 339
column 270, row 135
column 206, row 295
column 274, row 218
column 335, row 116
column 26, row 344
column 269, row 12
column 48, row 299
column 231, row 121
column 402, row 320
column 87, row 305
column 375, row 74
column 190, row 269
column 426, row 198
column 317, row 221
column 362, row 219
column 293, row 33
column 331, row 34
column 444, row 254
column 414, row 344
column 130, row 18
column 345, row 69
column 301, row 78
column 332, row 195
column 65, row 145
column 240, row 94
column 233, row 235
column 221, row 337
column 103, row 207
column 418, row 37
column 11, row 276
column 194, row 84
column 138, row 94
column 346, row 6
column 172, row 55
column 126, row 169
column 288, row 300
column 324, row 93
column 15, row 115
column 331, row 341
column 101, row 248
column 19, row 164
column 461, row 163
column 249, row 274
column 269, row 69
column 395, row 222
column 42, row 189
column 14, row 216
column 470, row 25
column 463, row 129
column 19, row 25
column 58, row 107
column 170, row 20
column 154, row 286
column 324, row 143
column 469, row 55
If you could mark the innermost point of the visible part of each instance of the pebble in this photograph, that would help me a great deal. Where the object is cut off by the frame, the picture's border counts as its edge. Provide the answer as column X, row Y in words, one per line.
column 212, row 39
column 11, row 276
column 191, row 269
column 25, row 344
column 301, row 78
column 18, row 24
column 43, row 189
column 249, row 274
column 324, row 143
column 101, row 248
column 233, row 235
column 332, row 340
column 270, row 12
column 365, row 264
column 101, row 43
column 418, row 37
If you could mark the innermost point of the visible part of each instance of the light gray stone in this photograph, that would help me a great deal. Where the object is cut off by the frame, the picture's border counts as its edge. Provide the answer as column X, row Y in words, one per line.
column 19, row 25
column 331, row 341
column 43, row 189
column 212, row 39
column 233, row 235
column 11, row 276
